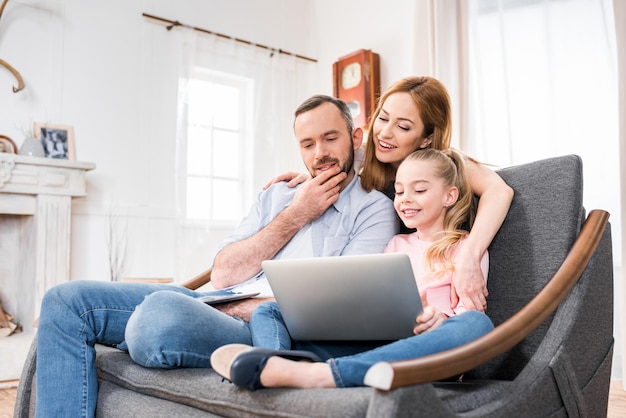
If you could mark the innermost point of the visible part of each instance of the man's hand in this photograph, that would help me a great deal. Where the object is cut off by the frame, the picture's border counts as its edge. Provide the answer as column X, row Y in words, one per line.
column 468, row 284
column 316, row 195
column 241, row 308
column 242, row 259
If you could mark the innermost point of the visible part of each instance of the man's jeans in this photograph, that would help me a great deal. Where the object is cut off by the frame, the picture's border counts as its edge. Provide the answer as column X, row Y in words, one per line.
column 350, row 361
column 169, row 329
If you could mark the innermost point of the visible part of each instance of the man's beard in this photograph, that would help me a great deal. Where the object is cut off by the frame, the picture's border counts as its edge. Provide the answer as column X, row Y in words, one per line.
column 346, row 167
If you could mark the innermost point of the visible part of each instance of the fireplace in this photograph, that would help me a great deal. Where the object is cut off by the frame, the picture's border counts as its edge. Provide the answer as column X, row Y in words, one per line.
column 35, row 220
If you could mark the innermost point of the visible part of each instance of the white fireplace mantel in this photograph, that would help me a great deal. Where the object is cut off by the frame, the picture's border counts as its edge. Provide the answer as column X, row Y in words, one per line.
column 35, row 220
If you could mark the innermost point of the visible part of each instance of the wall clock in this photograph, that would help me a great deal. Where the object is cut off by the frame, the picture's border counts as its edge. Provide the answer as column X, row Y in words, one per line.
column 356, row 81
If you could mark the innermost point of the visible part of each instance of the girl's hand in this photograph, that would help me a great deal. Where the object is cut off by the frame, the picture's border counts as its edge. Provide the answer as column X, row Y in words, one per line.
column 292, row 178
column 429, row 319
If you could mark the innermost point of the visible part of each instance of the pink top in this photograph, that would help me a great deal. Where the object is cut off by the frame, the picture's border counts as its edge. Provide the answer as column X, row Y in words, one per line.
column 436, row 289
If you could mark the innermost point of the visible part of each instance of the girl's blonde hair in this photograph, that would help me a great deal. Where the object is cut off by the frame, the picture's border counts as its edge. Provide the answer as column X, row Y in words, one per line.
column 433, row 103
column 450, row 167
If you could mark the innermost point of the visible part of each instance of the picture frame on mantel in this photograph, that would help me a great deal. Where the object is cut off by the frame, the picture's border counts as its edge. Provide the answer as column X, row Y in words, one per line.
column 57, row 140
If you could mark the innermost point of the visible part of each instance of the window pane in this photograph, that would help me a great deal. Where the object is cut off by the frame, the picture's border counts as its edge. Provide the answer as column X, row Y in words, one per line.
column 198, row 198
column 198, row 151
column 227, row 196
column 226, row 99
column 226, row 154
column 200, row 106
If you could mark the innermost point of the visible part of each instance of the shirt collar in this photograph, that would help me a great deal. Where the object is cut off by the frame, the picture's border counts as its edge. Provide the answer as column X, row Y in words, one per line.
column 344, row 198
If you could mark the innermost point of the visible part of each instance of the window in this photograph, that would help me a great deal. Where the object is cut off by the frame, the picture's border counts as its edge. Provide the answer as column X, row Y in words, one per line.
column 218, row 147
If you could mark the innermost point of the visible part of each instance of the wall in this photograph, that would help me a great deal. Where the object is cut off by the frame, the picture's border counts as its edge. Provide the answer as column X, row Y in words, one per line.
column 359, row 25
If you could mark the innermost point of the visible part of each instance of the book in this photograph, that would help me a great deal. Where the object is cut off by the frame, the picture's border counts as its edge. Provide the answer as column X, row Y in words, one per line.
column 222, row 296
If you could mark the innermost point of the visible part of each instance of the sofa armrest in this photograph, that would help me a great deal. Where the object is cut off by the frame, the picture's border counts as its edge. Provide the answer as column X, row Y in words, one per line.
column 389, row 375
column 200, row 280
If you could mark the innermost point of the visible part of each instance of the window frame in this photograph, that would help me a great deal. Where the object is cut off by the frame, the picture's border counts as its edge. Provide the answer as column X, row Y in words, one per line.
column 243, row 178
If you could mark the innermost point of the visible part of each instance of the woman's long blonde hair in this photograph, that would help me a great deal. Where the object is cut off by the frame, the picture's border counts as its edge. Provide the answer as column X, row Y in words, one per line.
column 450, row 167
column 433, row 102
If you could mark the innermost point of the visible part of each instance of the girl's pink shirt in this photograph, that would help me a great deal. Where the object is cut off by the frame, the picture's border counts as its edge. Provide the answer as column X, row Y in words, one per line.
column 436, row 289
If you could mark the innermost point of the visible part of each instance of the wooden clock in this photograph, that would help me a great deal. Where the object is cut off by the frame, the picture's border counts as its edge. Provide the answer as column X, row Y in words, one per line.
column 356, row 81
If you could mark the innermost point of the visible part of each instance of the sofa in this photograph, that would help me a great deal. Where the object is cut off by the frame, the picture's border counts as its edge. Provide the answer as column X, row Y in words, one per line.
column 550, row 297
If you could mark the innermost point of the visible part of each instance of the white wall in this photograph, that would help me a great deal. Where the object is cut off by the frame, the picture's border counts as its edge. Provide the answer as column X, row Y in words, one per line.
column 386, row 28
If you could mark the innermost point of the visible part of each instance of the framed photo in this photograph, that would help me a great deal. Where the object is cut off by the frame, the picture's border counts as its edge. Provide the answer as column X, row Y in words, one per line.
column 57, row 140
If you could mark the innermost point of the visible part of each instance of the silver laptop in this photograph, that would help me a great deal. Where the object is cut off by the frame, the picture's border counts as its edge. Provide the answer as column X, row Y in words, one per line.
column 360, row 297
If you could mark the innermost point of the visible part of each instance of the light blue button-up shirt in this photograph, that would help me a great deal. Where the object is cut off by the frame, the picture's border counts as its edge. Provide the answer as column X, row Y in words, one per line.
column 358, row 223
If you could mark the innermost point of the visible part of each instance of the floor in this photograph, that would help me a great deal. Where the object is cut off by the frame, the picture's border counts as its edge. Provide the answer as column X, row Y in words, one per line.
column 7, row 402
column 617, row 401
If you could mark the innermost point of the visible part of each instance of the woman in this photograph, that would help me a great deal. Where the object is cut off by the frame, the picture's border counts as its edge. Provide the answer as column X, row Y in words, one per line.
column 415, row 113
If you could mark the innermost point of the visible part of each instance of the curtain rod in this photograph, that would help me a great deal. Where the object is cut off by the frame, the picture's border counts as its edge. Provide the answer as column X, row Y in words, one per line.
column 173, row 23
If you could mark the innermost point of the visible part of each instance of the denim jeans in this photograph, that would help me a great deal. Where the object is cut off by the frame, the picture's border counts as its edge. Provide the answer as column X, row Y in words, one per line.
column 350, row 361
column 159, row 324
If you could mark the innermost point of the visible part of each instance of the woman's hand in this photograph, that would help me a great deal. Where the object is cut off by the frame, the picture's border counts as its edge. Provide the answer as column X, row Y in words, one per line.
column 429, row 319
column 468, row 282
column 468, row 285
column 292, row 178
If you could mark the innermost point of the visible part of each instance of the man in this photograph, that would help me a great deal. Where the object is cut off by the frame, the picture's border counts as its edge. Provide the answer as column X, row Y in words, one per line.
column 165, row 326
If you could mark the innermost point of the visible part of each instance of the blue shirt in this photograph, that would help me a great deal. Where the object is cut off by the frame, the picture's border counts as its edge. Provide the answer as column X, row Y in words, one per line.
column 358, row 223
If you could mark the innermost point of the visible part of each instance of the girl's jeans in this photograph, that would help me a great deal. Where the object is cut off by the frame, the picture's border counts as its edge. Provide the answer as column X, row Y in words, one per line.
column 160, row 325
column 350, row 361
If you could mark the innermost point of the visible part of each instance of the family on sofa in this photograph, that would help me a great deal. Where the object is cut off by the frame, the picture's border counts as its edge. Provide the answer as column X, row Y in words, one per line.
column 341, row 209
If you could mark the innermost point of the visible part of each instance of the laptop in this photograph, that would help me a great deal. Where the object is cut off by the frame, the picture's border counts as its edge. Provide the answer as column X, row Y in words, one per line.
column 357, row 297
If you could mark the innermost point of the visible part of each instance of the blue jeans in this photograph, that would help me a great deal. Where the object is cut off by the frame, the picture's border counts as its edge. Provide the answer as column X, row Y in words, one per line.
column 160, row 325
column 350, row 361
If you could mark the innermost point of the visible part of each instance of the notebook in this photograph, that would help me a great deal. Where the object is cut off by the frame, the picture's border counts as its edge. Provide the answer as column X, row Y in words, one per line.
column 358, row 297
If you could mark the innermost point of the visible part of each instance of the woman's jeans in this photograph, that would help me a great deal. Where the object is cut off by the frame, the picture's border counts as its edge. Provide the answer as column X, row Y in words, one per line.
column 160, row 325
column 350, row 361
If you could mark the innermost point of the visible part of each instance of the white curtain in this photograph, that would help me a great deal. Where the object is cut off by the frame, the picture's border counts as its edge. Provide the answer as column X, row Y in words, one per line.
column 619, row 8
column 281, row 83
column 532, row 79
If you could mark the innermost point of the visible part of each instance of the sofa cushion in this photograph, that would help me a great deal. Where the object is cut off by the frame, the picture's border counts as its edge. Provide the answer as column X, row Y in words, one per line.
column 194, row 392
column 116, row 401
column 205, row 390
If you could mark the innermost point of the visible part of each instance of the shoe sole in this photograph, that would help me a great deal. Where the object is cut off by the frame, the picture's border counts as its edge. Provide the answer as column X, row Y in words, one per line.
column 223, row 358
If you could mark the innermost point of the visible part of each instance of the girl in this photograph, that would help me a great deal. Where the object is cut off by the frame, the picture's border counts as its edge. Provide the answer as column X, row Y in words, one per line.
column 432, row 194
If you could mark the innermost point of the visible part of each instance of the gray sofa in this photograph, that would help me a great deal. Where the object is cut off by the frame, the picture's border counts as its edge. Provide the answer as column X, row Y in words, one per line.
column 530, row 366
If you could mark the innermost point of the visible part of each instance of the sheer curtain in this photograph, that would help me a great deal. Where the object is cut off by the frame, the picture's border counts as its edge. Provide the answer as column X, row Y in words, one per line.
column 280, row 83
column 619, row 8
column 532, row 79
